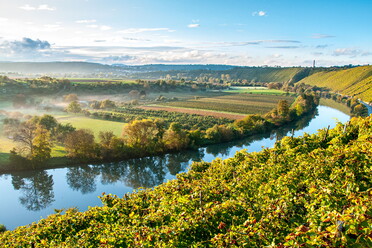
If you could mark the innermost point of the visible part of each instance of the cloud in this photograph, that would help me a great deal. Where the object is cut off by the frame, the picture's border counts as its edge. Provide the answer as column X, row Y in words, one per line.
column 322, row 36
column 321, row 46
column 28, row 44
column 46, row 7
column 100, row 27
column 256, row 42
column 259, row 13
column 121, row 58
column 352, row 53
column 86, row 21
column 284, row 47
column 28, row 7
column 26, row 48
column 135, row 39
column 193, row 25
column 142, row 30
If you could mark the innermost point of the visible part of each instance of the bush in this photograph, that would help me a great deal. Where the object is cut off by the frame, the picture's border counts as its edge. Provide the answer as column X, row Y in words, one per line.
column 2, row 228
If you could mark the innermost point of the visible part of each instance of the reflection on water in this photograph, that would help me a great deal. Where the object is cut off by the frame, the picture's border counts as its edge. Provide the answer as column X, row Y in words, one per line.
column 26, row 196
column 36, row 188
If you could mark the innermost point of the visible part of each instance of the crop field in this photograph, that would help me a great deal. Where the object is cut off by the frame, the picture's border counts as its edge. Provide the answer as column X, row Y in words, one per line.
column 93, row 81
column 195, row 111
column 256, row 90
column 233, row 103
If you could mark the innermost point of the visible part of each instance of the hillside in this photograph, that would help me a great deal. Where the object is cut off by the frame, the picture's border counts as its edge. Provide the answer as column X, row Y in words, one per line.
column 353, row 82
column 312, row 191
column 254, row 74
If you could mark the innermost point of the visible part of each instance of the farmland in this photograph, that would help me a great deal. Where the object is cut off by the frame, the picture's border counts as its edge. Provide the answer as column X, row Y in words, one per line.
column 256, row 90
column 96, row 125
column 232, row 103
column 353, row 82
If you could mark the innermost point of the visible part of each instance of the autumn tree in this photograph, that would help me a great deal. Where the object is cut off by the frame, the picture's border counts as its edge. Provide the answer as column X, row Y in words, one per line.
column 42, row 145
column 144, row 135
column 74, row 107
column 80, row 144
column 70, row 98
column 175, row 138
column 34, row 142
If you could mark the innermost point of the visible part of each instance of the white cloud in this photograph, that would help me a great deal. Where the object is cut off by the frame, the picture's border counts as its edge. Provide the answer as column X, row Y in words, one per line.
column 193, row 25
column 321, row 36
column 142, row 30
column 347, row 52
column 46, row 7
column 100, row 27
column 86, row 21
column 28, row 7
column 259, row 13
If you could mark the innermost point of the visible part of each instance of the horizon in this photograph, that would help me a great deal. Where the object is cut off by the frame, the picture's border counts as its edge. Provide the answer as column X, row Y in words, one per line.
column 238, row 33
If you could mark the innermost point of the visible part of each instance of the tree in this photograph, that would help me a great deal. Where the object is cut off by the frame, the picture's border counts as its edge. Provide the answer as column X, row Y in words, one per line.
column 175, row 138
column 144, row 135
column 74, row 107
column 34, row 142
column 42, row 145
column 283, row 108
column 80, row 144
column 24, row 136
column 70, row 98
column 62, row 130
column 107, row 104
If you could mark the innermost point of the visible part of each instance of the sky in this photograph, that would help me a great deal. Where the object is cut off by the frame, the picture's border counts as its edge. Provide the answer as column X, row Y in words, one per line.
column 133, row 32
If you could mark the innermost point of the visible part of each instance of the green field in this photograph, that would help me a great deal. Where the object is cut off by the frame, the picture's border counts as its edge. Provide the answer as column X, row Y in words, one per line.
column 94, row 80
column 353, row 82
column 233, row 103
column 96, row 125
column 256, row 90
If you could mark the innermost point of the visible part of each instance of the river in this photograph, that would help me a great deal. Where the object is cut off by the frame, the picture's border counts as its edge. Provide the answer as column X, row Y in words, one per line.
column 28, row 196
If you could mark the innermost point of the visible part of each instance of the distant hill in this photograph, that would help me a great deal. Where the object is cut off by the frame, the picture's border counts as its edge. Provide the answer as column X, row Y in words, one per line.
column 355, row 81
column 256, row 74
column 88, row 68
column 52, row 67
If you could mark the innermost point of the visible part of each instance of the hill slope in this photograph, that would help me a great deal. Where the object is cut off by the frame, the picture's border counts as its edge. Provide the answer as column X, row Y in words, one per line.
column 353, row 82
column 312, row 191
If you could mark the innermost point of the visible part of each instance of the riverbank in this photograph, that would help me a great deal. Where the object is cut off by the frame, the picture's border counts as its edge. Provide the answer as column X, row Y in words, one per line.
column 62, row 162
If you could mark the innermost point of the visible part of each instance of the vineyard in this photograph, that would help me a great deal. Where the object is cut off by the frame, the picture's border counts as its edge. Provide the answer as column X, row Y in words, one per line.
column 311, row 191
column 187, row 121
column 233, row 103
column 353, row 82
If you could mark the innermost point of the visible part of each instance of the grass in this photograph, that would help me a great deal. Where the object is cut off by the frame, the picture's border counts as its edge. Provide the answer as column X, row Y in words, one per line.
column 82, row 122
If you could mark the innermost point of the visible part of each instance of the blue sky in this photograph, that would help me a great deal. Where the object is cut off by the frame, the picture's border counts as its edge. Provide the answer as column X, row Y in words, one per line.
column 249, row 32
